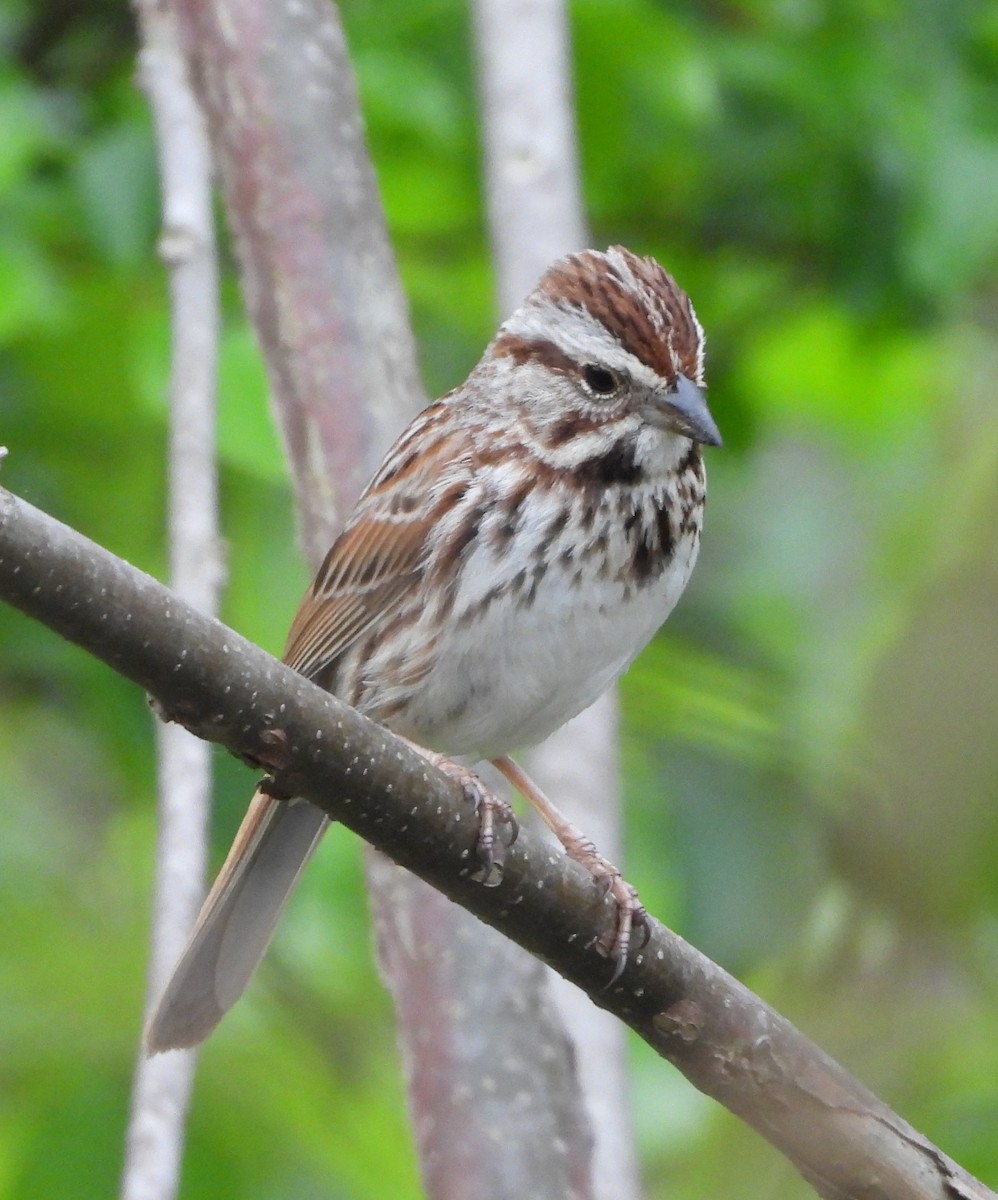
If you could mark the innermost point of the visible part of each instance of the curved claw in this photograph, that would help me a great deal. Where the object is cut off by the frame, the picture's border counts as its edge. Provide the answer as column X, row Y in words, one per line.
column 615, row 943
column 619, row 962
column 642, row 922
column 514, row 826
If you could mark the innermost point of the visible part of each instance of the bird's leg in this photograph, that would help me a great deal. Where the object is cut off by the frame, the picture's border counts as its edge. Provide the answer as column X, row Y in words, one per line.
column 494, row 813
column 630, row 914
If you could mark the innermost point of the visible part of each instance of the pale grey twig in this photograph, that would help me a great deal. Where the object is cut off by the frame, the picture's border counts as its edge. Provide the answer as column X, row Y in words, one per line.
column 161, row 1088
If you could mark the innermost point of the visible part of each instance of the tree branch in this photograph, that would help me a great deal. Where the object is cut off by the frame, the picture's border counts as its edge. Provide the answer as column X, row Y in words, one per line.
column 726, row 1040
column 162, row 1085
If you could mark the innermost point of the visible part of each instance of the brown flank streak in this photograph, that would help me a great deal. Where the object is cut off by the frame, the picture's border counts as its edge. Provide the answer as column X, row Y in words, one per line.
column 512, row 509
column 457, row 544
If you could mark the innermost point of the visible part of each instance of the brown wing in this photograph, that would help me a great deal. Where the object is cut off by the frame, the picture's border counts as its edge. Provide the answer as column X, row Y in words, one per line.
column 369, row 568
column 381, row 553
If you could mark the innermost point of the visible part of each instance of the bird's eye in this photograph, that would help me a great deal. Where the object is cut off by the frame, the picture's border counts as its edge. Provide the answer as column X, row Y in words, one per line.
column 599, row 380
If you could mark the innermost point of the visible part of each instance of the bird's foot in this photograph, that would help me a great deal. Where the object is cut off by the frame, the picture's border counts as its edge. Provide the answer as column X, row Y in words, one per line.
column 497, row 824
column 613, row 943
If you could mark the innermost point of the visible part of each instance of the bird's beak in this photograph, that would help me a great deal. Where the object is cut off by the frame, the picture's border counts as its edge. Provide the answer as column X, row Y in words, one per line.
column 683, row 409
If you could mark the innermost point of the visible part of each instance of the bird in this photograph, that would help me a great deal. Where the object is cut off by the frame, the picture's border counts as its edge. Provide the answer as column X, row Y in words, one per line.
column 521, row 542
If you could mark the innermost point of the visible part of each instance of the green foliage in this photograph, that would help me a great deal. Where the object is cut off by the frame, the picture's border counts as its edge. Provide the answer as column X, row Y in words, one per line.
column 810, row 752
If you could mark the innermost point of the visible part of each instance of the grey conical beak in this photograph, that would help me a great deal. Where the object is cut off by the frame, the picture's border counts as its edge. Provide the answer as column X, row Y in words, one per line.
column 683, row 409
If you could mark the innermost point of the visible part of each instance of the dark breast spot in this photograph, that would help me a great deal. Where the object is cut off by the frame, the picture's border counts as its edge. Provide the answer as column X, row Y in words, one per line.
column 651, row 541
column 666, row 543
column 643, row 562
column 555, row 526
column 692, row 462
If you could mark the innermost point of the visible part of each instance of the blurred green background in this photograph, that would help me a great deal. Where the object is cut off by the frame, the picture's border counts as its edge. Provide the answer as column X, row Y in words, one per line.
column 810, row 749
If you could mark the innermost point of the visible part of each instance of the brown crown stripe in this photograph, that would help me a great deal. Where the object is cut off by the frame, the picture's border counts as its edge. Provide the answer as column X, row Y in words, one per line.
column 642, row 324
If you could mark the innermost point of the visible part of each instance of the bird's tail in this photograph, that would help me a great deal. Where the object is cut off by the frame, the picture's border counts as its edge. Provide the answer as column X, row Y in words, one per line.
column 237, row 920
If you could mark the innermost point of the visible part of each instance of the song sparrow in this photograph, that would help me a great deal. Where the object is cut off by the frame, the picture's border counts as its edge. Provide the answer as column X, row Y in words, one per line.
column 521, row 542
